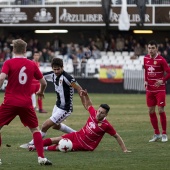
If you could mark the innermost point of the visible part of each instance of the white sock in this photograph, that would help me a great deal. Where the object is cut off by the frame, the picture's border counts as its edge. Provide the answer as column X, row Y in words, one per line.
column 45, row 148
column 43, row 134
column 31, row 142
column 33, row 97
column 66, row 129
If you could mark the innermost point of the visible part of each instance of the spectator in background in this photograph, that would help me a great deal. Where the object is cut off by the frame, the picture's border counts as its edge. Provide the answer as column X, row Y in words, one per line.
column 63, row 49
column 87, row 52
column 127, row 46
column 161, row 48
column 166, row 56
column 138, row 50
column 44, row 55
column 168, row 48
column 119, row 43
column 37, row 45
column 8, row 54
column 56, row 43
column 99, row 44
column 2, row 55
column 112, row 45
column 80, row 53
column 50, row 54
column 95, row 52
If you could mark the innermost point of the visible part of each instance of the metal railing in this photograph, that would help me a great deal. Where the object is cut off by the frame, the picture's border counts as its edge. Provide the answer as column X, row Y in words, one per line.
column 75, row 2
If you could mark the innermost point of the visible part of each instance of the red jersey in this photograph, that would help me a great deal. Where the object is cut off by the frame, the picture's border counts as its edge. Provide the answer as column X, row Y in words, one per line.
column 155, row 69
column 21, row 72
column 93, row 131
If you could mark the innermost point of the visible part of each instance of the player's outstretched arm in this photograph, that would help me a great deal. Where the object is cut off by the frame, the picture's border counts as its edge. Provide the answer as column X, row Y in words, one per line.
column 87, row 102
column 121, row 143
column 43, row 86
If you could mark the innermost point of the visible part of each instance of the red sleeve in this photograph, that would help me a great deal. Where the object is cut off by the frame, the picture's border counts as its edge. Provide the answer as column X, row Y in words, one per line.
column 110, row 130
column 38, row 75
column 91, row 110
column 5, row 67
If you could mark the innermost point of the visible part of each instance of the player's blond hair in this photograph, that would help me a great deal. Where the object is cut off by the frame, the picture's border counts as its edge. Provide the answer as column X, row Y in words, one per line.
column 19, row 46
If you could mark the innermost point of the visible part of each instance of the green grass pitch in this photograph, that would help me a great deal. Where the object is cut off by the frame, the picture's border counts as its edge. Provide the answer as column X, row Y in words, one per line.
column 129, row 116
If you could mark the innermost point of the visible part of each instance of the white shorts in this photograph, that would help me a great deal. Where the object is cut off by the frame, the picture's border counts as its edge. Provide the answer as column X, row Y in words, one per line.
column 59, row 115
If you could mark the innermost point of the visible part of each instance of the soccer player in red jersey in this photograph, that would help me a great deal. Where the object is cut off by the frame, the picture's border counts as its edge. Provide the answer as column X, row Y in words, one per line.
column 90, row 135
column 35, row 87
column 155, row 67
column 17, row 99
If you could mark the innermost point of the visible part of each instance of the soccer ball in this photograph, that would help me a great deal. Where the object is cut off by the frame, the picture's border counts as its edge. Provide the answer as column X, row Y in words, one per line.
column 65, row 145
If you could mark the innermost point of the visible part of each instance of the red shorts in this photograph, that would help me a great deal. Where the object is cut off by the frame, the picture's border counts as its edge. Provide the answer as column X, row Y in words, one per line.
column 156, row 98
column 35, row 87
column 27, row 115
column 76, row 145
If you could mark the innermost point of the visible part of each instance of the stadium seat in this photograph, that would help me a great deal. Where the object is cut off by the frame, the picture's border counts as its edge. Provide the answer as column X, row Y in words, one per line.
column 138, row 66
column 114, row 62
column 121, row 62
column 104, row 57
column 129, row 61
column 125, row 53
column 28, row 53
column 91, row 69
column 136, row 61
column 69, row 68
column 118, row 53
column 110, row 53
column 91, row 61
column 131, row 67
column 103, row 53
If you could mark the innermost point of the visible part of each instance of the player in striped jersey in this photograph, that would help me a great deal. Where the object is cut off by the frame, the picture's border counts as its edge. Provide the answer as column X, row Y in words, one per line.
column 155, row 67
column 64, row 88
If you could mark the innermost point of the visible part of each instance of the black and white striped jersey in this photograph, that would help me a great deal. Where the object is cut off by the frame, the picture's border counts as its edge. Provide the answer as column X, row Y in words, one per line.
column 63, row 89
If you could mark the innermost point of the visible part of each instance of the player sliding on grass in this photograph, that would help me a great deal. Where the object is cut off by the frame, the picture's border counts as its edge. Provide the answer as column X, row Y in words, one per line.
column 88, row 137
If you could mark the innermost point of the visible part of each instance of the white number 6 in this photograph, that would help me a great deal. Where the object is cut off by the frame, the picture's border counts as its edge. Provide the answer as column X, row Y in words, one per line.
column 22, row 76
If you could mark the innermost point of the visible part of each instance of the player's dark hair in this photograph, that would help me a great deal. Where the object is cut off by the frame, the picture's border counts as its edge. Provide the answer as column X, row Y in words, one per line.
column 153, row 42
column 57, row 62
column 106, row 107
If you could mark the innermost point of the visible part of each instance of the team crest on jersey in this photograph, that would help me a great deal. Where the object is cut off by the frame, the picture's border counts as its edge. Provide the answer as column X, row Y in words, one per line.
column 155, row 62
column 151, row 69
column 92, row 125
column 60, row 82
column 99, row 124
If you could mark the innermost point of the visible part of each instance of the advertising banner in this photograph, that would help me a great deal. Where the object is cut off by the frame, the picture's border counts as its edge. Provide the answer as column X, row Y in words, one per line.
column 17, row 15
column 162, row 15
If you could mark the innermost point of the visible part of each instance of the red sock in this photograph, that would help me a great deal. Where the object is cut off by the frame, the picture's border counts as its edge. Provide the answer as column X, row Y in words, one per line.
column 40, row 103
column 47, row 142
column 163, row 122
column 38, row 142
column 154, row 122
column 52, row 148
